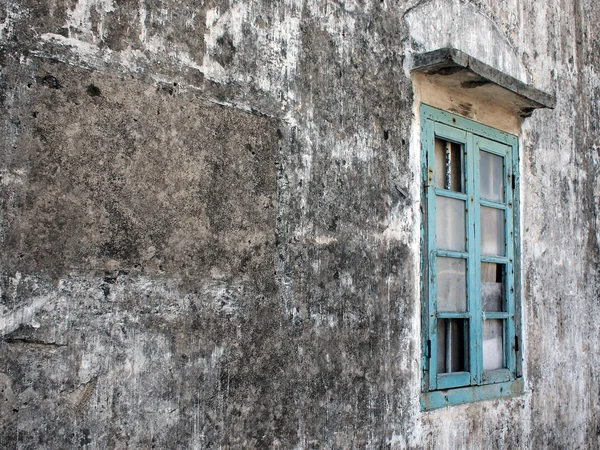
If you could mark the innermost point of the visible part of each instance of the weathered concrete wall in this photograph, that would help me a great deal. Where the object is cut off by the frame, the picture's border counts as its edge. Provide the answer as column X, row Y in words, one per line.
column 210, row 224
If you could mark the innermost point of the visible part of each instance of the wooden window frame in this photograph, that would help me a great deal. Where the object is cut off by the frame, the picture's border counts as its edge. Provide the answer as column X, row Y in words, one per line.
column 440, row 390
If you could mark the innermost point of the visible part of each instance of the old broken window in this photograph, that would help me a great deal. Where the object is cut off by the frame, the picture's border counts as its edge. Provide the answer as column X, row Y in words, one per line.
column 470, row 175
column 470, row 116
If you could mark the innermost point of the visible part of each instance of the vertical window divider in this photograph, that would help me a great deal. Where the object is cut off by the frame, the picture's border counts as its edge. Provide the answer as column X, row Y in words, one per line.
column 475, row 261
column 509, row 342
column 431, row 246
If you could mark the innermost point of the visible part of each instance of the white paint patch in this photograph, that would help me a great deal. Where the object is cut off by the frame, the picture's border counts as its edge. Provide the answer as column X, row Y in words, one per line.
column 397, row 441
column 25, row 315
column 400, row 227
column 223, row 295
column 217, row 26
column 278, row 45
column 133, row 60
column 142, row 13
column 356, row 147
column 13, row 15
column 91, row 54
column 325, row 240
column 321, row 321
column 413, row 241
column 82, row 42
column 338, row 26
column 216, row 356
column 80, row 18
column 15, row 177
column 347, row 282
column 89, row 366
column 446, row 23
column 186, row 60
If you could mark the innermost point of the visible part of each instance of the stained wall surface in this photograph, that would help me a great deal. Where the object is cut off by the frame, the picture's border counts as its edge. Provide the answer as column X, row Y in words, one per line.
column 210, row 223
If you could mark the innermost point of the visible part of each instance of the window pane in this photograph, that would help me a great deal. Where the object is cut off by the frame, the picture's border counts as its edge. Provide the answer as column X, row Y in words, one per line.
column 491, row 286
column 491, row 176
column 492, row 231
column 448, row 165
column 451, row 284
column 450, row 223
column 452, row 345
column 493, row 344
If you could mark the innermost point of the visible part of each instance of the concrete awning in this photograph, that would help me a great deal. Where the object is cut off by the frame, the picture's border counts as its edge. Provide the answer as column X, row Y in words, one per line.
column 455, row 70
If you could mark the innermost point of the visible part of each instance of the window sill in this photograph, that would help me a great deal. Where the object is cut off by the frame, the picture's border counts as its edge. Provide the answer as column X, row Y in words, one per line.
column 450, row 397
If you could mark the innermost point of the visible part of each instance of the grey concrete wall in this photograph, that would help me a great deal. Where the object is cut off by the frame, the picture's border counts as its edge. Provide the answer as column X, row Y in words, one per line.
column 210, row 217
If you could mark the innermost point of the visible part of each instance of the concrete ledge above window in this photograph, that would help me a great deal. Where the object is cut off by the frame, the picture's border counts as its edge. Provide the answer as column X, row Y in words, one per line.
column 461, row 73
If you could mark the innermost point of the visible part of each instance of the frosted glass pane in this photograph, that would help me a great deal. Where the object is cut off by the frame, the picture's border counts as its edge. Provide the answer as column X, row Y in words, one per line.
column 451, row 284
column 448, row 165
column 493, row 347
column 491, row 176
column 452, row 345
column 492, row 231
column 450, row 224
column 491, row 286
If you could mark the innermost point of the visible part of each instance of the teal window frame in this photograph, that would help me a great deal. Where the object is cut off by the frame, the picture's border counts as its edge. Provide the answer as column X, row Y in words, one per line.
column 444, row 389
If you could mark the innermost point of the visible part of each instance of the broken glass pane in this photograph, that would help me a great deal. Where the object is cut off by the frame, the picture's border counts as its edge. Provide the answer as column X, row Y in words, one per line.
column 451, row 284
column 491, row 286
column 493, row 344
column 492, row 231
column 452, row 345
column 491, row 176
column 450, row 224
column 448, row 165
